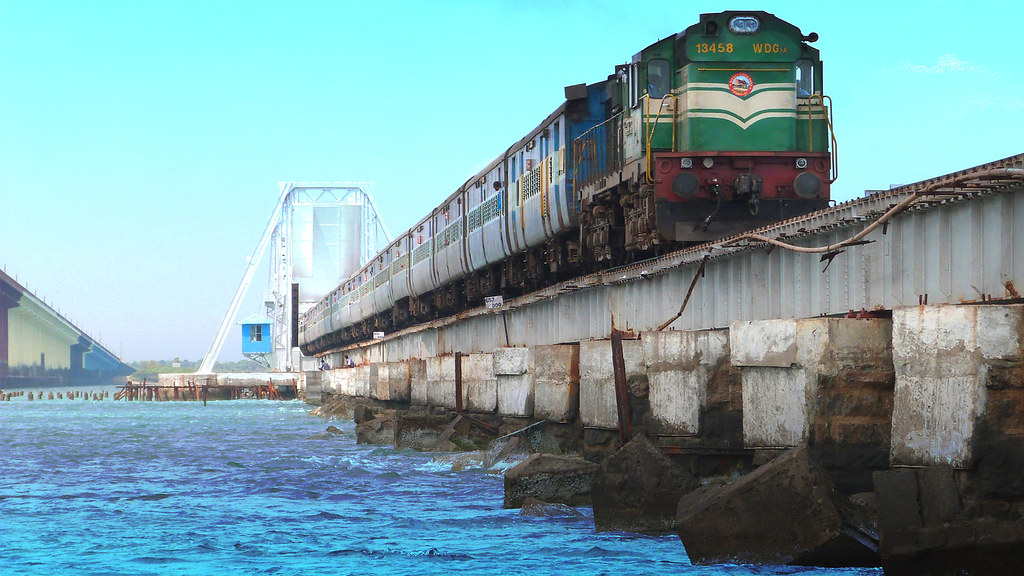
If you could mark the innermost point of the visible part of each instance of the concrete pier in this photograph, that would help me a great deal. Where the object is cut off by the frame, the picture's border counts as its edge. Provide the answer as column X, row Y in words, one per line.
column 513, row 375
column 926, row 405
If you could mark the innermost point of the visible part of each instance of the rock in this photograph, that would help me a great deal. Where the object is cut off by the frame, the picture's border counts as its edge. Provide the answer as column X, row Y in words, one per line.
column 462, row 434
column 928, row 526
column 331, row 432
column 420, row 431
column 505, row 452
column 462, row 460
column 362, row 413
column 379, row 430
column 638, row 489
column 513, row 448
column 534, row 507
column 784, row 512
column 538, row 437
column 334, row 407
column 559, row 479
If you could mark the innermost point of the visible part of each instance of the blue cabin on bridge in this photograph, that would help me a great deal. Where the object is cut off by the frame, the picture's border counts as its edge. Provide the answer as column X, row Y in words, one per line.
column 256, row 335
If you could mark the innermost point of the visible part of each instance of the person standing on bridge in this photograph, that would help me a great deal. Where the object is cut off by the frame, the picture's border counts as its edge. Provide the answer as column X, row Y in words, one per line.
column 324, row 365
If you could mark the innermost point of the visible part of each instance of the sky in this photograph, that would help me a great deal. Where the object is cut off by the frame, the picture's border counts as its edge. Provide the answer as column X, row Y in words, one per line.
column 142, row 143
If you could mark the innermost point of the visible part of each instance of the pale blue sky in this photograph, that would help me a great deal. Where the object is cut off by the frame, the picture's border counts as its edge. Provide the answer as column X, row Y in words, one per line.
column 141, row 143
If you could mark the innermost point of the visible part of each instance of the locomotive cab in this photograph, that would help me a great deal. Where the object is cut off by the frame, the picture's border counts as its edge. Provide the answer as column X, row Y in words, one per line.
column 723, row 127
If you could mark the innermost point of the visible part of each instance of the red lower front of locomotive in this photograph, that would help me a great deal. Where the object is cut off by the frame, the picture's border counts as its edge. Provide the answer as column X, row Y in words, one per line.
column 707, row 195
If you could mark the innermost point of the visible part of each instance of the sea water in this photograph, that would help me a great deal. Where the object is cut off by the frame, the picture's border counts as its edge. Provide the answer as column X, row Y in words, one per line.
column 254, row 487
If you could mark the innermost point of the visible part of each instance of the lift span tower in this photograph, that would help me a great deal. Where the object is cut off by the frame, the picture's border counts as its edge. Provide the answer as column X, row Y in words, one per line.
column 318, row 234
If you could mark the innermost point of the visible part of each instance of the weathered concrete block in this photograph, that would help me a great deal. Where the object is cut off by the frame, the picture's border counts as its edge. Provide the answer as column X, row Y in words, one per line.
column 398, row 381
column 598, row 407
column 777, row 406
column 479, row 384
column 343, row 381
column 678, row 366
column 515, row 395
column 440, row 375
column 550, row 478
column 379, row 381
column 763, row 343
column 313, row 387
column 638, row 488
column 511, row 361
column 784, row 512
column 942, row 356
column 418, row 384
column 359, row 380
column 556, row 382
column 781, row 385
column 514, row 381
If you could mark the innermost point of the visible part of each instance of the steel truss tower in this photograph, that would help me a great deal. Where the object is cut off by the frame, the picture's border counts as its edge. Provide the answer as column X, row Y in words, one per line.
column 320, row 234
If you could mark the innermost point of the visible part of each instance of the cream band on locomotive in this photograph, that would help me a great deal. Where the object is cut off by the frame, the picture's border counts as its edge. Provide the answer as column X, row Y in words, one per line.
column 715, row 130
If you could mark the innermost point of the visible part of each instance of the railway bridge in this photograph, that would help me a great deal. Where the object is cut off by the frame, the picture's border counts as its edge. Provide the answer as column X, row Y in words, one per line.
column 884, row 334
column 955, row 239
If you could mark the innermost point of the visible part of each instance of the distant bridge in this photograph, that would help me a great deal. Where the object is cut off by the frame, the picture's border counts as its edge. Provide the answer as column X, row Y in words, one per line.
column 39, row 347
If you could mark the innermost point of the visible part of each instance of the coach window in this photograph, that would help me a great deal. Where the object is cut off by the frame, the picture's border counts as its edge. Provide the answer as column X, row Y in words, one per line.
column 804, row 78
column 658, row 76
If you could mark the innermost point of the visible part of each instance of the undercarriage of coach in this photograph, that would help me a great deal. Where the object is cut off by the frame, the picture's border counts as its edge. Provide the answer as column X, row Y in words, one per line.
column 625, row 222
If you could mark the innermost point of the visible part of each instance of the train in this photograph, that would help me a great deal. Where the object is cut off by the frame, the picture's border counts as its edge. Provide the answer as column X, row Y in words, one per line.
column 715, row 130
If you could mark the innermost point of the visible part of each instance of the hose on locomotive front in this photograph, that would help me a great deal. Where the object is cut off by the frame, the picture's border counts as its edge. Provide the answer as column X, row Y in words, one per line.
column 717, row 191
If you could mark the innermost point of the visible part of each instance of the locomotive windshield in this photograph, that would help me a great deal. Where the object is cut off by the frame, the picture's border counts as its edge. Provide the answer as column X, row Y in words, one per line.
column 804, row 78
column 658, row 76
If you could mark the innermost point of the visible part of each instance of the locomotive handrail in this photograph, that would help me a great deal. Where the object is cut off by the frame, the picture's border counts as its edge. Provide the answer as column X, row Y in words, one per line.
column 827, row 112
column 654, row 126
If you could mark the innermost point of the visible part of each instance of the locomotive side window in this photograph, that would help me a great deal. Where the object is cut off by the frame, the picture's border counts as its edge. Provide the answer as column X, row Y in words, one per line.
column 658, row 76
column 804, row 78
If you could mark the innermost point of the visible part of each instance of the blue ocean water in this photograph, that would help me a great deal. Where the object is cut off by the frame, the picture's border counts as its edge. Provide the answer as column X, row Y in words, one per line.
column 240, row 487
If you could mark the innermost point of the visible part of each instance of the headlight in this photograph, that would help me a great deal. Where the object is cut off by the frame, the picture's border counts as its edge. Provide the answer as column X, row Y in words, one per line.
column 807, row 185
column 743, row 24
column 685, row 185
column 686, row 162
column 801, row 163
column 709, row 162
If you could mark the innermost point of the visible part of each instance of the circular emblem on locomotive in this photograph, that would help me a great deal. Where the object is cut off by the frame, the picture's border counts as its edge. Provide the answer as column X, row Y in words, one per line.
column 741, row 84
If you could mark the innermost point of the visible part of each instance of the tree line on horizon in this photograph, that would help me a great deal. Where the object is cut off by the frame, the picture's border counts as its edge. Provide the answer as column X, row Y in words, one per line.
column 150, row 370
